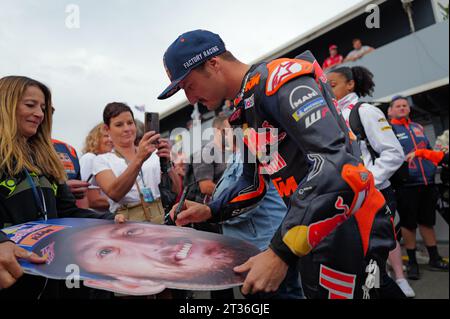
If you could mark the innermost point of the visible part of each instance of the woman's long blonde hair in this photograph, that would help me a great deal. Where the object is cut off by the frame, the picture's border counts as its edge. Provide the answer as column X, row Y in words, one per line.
column 92, row 142
column 36, row 154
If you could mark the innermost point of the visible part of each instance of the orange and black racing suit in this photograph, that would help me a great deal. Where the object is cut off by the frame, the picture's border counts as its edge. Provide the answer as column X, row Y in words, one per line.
column 337, row 221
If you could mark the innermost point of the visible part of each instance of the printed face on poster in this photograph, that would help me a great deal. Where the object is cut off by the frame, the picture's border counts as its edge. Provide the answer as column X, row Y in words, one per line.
column 133, row 258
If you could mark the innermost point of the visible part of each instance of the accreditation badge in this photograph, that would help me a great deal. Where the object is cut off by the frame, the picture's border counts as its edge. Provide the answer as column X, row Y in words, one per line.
column 148, row 195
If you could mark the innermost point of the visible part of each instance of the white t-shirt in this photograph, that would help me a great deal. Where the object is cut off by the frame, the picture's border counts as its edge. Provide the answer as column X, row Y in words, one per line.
column 87, row 168
column 150, row 176
column 355, row 53
column 380, row 136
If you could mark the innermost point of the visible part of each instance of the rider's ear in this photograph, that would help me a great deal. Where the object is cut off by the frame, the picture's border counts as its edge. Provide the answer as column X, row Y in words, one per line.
column 213, row 64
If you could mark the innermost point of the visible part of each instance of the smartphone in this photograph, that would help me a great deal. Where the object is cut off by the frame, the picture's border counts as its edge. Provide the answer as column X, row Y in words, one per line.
column 151, row 122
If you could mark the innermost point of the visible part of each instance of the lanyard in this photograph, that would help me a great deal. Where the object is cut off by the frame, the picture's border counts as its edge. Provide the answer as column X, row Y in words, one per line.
column 39, row 200
column 141, row 174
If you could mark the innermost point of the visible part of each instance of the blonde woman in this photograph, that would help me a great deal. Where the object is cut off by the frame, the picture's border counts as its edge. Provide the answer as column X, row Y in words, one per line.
column 32, row 183
column 97, row 142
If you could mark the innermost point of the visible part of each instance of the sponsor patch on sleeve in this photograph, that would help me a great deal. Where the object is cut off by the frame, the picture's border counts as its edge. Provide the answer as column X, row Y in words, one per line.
column 305, row 109
column 301, row 95
column 283, row 70
column 250, row 102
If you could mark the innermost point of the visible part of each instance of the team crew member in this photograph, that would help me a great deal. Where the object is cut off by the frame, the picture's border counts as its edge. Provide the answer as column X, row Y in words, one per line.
column 382, row 153
column 336, row 214
column 69, row 158
column 417, row 198
column 439, row 158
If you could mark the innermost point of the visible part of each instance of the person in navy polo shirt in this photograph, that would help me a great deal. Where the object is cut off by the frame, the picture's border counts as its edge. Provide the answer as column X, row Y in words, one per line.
column 417, row 197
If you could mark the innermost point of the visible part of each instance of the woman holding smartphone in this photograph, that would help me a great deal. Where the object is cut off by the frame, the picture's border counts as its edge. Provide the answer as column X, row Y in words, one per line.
column 130, row 174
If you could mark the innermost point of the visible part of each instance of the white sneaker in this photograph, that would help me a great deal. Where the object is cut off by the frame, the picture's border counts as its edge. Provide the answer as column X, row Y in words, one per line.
column 405, row 287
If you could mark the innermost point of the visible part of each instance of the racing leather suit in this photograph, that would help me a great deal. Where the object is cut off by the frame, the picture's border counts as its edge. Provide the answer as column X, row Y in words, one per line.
column 337, row 221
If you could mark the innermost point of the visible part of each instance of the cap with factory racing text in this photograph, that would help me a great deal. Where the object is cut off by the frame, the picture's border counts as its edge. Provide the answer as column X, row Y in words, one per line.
column 189, row 50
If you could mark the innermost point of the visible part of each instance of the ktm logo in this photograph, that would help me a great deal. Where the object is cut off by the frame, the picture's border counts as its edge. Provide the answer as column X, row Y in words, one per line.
column 285, row 189
column 254, row 81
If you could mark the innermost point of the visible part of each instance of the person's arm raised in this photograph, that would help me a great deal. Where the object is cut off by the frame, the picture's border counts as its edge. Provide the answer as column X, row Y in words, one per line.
column 117, row 187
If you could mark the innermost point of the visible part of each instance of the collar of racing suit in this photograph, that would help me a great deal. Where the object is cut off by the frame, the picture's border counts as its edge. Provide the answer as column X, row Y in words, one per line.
column 348, row 101
column 240, row 94
column 403, row 121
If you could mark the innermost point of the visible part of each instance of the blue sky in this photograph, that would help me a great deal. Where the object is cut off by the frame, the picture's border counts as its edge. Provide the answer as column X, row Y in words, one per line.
column 116, row 54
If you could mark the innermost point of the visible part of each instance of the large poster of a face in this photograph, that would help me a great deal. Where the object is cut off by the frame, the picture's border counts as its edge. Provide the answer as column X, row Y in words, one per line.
column 133, row 258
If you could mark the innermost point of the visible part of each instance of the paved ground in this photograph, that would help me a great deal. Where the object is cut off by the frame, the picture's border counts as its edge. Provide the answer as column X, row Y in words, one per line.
column 432, row 285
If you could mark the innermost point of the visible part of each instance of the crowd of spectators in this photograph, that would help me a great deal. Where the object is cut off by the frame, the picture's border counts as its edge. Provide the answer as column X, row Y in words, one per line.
column 334, row 59
column 119, row 175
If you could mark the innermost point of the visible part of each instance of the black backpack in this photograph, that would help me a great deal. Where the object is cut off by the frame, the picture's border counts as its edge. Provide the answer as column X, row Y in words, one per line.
column 358, row 129
column 401, row 176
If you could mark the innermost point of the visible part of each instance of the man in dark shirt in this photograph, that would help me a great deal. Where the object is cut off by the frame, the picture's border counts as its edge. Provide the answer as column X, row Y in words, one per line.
column 210, row 163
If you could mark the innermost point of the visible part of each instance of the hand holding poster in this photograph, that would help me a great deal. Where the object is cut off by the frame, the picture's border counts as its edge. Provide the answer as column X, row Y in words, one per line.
column 132, row 258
